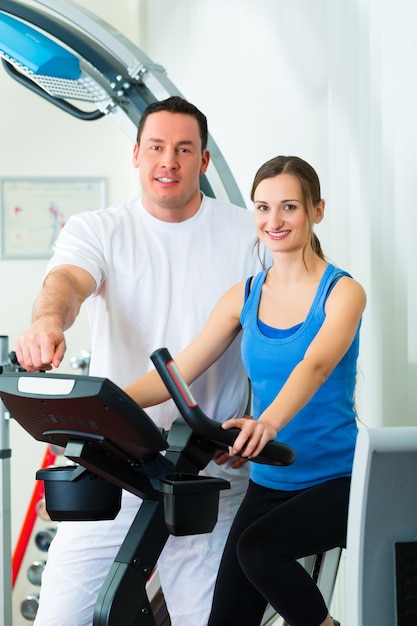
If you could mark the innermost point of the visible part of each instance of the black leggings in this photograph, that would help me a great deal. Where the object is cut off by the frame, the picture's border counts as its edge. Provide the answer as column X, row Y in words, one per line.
column 273, row 529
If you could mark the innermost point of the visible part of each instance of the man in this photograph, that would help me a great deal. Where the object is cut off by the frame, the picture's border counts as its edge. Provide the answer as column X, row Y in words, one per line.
column 149, row 271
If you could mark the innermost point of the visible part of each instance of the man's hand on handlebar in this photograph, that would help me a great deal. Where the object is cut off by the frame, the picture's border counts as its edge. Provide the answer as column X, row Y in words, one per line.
column 236, row 462
column 41, row 348
column 253, row 436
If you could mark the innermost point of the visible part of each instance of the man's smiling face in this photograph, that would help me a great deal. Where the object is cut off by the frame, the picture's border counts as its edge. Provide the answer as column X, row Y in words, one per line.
column 170, row 161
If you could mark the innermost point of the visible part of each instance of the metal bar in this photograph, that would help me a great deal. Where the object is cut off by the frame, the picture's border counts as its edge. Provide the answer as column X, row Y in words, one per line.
column 5, row 516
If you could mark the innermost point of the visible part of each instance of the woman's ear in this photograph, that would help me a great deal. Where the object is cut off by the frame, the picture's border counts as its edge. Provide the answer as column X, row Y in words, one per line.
column 319, row 212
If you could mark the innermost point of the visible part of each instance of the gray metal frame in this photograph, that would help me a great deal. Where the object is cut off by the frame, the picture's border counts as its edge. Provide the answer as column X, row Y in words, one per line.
column 5, row 496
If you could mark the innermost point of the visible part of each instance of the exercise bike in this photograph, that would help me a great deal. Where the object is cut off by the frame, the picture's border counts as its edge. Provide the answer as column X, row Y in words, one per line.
column 79, row 413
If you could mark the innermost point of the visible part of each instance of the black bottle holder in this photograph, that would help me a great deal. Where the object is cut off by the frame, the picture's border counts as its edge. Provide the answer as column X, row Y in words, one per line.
column 73, row 493
column 191, row 502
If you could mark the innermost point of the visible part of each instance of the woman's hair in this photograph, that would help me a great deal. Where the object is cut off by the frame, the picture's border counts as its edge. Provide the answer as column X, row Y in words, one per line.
column 310, row 188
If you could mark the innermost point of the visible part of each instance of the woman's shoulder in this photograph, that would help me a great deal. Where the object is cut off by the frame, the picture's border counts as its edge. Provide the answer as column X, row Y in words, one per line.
column 239, row 293
column 347, row 289
column 336, row 274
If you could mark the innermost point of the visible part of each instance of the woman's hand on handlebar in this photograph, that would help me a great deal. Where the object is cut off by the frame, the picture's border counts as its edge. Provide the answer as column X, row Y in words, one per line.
column 253, row 436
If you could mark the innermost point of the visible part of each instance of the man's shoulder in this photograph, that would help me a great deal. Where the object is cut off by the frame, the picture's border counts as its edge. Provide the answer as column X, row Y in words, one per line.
column 127, row 207
column 227, row 211
column 109, row 214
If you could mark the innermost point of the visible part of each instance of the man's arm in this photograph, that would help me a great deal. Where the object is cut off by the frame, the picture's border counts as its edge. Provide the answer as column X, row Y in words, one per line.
column 64, row 290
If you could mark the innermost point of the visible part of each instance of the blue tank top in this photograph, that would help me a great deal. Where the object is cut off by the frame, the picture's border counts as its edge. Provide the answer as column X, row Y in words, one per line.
column 323, row 433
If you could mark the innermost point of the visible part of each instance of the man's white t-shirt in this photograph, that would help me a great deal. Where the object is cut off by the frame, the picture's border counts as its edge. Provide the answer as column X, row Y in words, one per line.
column 157, row 283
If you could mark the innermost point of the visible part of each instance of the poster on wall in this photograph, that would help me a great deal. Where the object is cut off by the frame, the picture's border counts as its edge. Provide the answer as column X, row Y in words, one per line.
column 34, row 210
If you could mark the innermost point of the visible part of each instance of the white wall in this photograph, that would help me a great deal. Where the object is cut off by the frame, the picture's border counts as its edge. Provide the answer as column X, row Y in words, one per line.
column 333, row 82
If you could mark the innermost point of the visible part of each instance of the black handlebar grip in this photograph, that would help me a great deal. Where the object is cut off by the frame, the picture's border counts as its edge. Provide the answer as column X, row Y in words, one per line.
column 274, row 453
column 13, row 358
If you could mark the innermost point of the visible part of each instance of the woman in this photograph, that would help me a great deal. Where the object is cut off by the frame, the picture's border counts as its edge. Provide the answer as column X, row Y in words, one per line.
column 300, row 324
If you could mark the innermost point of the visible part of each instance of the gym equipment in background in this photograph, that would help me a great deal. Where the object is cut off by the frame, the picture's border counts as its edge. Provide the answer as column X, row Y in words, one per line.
column 5, row 515
column 381, row 555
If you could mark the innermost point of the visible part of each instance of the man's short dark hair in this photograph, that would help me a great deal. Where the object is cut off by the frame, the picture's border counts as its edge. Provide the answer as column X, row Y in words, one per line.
column 176, row 104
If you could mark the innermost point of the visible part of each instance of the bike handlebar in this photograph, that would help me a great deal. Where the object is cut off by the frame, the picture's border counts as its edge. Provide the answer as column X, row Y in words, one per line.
column 274, row 453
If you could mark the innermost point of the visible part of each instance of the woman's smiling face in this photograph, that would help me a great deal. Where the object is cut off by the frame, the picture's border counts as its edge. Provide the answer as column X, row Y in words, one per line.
column 280, row 217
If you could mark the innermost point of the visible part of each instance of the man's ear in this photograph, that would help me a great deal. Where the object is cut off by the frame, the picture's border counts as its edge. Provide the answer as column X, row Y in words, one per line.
column 205, row 160
column 135, row 156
